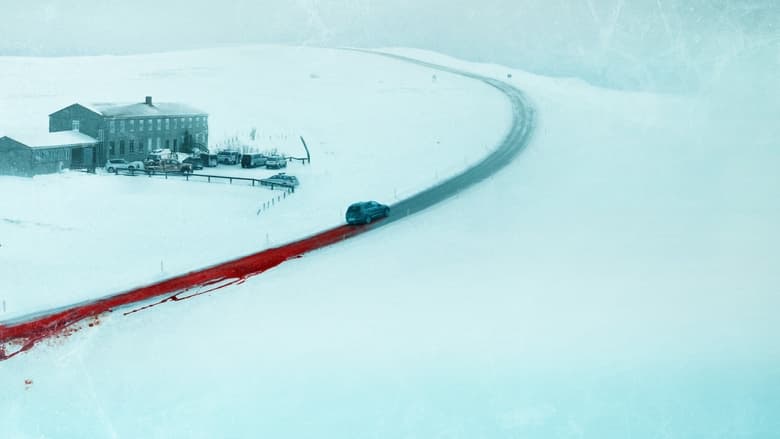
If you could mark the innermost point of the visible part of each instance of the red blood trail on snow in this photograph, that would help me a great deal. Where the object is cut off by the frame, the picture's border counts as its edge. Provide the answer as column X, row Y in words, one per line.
column 19, row 337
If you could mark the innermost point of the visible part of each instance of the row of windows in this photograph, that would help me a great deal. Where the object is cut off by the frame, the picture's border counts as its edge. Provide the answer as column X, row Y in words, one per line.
column 150, row 124
column 52, row 155
column 121, row 147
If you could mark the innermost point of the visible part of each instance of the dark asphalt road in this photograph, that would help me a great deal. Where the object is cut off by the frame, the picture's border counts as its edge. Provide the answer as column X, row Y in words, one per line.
column 518, row 137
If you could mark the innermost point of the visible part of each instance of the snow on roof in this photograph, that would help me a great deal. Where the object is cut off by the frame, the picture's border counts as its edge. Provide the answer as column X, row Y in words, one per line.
column 48, row 140
column 142, row 109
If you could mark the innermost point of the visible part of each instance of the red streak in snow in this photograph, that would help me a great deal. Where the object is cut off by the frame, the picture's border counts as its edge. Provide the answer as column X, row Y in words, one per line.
column 24, row 335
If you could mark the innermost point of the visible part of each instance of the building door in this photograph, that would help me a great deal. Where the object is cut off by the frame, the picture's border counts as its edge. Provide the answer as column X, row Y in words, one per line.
column 77, row 158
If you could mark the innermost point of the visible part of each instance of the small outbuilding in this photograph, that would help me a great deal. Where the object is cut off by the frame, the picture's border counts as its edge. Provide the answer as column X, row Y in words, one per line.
column 45, row 153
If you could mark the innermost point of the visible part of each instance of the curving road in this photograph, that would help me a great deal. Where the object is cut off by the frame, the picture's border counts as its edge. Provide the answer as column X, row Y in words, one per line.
column 21, row 334
column 518, row 137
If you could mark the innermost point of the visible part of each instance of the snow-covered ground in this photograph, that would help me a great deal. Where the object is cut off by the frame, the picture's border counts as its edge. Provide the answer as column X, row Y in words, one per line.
column 617, row 280
column 377, row 129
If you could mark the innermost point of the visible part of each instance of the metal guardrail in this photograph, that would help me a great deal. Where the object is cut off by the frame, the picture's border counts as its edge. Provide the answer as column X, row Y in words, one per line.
column 207, row 177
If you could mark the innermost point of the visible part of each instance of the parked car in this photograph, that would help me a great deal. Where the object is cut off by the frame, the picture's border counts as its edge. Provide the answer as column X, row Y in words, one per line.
column 253, row 160
column 229, row 157
column 159, row 154
column 366, row 211
column 170, row 165
column 194, row 161
column 117, row 164
column 275, row 162
column 282, row 179
column 209, row 160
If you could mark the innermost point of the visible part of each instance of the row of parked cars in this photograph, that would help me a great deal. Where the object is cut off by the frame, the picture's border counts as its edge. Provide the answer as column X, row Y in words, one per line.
column 165, row 160
column 269, row 161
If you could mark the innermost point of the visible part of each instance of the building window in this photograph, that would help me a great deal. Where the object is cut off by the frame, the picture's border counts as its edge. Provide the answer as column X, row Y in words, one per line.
column 121, row 126
column 100, row 134
column 159, row 124
column 159, row 143
column 167, row 144
column 112, row 127
column 150, row 124
column 131, row 146
column 140, row 125
column 167, row 124
column 189, row 123
column 111, row 148
column 121, row 147
column 149, row 144
column 75, row 125
column 132, row 126
column 175, row 124
column 175, row 144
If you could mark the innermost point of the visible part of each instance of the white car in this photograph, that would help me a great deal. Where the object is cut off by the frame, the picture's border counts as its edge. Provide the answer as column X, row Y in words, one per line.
column 114, row 165
column 275, row 162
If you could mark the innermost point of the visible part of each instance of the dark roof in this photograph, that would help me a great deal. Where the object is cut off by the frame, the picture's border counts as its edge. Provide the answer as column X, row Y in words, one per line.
column 142, row 109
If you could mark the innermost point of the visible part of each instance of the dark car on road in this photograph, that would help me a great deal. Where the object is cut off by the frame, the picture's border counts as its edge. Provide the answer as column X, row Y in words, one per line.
column 366, row 211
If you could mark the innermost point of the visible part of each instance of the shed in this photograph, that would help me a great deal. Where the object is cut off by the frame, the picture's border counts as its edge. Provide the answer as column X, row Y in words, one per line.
column 44, row 153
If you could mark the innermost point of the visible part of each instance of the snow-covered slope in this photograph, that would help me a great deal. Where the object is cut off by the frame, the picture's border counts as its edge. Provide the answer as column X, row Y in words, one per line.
column 377, row 129
column 617, row 280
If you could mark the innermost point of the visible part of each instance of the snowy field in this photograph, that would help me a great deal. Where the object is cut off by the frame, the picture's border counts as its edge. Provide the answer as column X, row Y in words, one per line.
column 377, row 129
column 619, row 279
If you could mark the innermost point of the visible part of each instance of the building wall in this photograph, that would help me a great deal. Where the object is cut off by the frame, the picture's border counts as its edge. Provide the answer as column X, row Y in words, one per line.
column 15, row 158
column 132, row 138
column 50, row 160
column 21, row 160
column 90, row 122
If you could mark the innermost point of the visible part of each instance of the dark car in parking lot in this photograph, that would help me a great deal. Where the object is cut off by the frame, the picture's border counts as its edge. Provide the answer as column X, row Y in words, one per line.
column 209, row 160
column 366, row 211
column 195, row 162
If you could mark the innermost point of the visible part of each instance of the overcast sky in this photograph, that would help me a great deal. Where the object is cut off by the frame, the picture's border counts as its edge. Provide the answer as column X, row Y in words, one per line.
column 623, row 43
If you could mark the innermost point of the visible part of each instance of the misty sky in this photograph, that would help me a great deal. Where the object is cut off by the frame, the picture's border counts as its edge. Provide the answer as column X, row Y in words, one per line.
column 654, row 44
